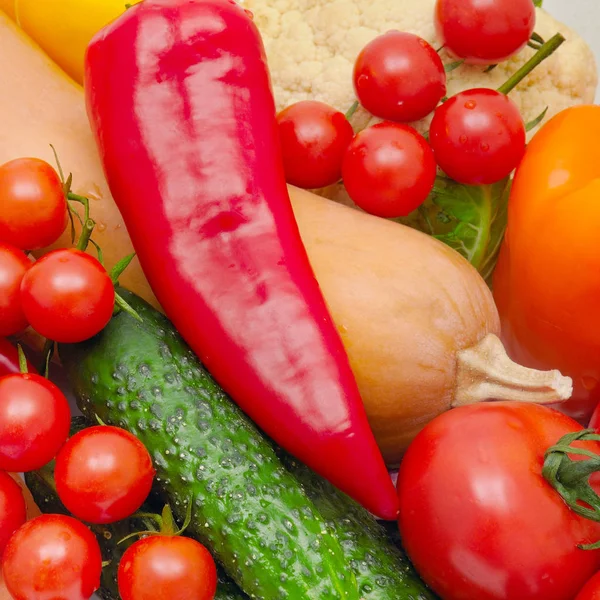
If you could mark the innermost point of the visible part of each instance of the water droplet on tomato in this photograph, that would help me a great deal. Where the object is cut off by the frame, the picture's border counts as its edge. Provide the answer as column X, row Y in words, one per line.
column 470, row 104
column 101, row 227
column 249, row 14
column 485, row 147
column 463, row 139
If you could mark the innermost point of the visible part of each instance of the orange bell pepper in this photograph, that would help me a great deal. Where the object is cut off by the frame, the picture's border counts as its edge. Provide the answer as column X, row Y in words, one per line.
column 547, row 282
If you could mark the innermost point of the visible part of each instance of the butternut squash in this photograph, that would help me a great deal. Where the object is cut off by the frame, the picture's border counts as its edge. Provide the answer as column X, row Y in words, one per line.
column 418, row 322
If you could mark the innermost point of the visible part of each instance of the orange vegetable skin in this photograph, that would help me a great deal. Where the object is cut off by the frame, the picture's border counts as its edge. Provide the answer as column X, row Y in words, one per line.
column 547, row 283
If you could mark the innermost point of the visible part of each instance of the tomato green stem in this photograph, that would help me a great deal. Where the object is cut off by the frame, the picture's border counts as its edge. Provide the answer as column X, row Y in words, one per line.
column 352, row 110
column 539, row 57
column 570, row 478
column 22, row 360
column 48, row 353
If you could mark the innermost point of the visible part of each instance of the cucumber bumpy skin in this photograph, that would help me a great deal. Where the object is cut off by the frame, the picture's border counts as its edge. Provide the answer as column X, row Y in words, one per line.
column 42, row 486
column 250, row 512
column 382, row 571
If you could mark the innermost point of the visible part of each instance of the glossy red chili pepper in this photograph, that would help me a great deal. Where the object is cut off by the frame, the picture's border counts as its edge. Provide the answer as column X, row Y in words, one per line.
column 9, row 359
column 180, row 100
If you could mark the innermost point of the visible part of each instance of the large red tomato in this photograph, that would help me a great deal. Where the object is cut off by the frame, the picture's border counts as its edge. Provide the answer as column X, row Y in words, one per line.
column 477, row 517
column 591, row 591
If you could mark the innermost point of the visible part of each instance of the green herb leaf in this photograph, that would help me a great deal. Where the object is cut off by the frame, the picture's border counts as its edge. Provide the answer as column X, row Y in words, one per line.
column 538, row 3
column 470, row 219
column 535, row 122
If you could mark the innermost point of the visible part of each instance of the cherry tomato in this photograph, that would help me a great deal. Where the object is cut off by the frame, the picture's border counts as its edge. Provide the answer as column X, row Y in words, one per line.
column 34, row 422
column 67, row 296
column 52, row 556
column 33, row 208
column 167, row 568
column 477, row 517
column 13, row 266
column 399, row 77
column 314, row 137
column 591, row 590
column 13, row 510
column 389, row 170
column 478, row 136
column 484, row 31
column 9, row 359
column 103, row 474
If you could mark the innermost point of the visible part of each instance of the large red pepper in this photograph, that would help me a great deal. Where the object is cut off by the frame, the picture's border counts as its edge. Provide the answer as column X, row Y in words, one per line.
column 180, row 101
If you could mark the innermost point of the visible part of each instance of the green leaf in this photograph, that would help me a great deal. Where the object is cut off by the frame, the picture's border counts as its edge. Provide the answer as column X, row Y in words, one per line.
column 535, row 122
column 453, row 66
column 538, row 3
column 470, row 219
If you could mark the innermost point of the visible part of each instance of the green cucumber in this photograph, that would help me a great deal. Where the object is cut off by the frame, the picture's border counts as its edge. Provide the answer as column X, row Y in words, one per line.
column 382, row 571
column 247, row 509
column 43, row 489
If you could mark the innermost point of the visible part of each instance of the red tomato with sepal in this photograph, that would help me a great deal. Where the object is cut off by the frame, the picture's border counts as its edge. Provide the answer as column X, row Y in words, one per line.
column 389, row 170
column 13, row 510
column 13, row 266
column 68, row 296
column 591, row 590
column 103, row 474
column 33, row 208
column 9, row 359
column 35, row 418
column 314, row 137
column 52, row 557
column 167, row 568
column 399, row 77
column 484, row 31
column 478, row 519
column 478, row 136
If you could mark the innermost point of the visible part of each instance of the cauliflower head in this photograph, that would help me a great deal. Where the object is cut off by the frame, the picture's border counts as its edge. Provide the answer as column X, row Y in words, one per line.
column 311, row 46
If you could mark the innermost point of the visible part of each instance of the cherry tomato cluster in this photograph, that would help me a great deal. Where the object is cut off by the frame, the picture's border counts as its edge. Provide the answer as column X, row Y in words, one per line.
column 476, row 137
column 67, row 296
column 103, row 474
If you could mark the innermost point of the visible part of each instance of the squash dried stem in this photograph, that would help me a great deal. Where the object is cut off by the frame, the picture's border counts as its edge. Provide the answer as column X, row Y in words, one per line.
column 485, row 372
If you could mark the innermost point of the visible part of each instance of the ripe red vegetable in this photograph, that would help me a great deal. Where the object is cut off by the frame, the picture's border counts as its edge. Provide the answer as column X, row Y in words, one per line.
column 9, row 359
column 160, row 567
column 314, row 137
column 52, row 556
column 13, row 266
column 591, row 590
column 484, row 31
column 215, row 233
column 477, row 517
column 13, row 510
column 399, row 77
column 34, row 422
column 478, row 136
column 68, row 296
column 389, row 170
column 34, row 208
column 103, row 474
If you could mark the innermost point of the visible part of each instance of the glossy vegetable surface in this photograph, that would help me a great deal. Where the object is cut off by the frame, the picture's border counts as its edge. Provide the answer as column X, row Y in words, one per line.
column 314, row 138
column 34, row 208
column 591, row 590
column 399, row 77
column 52, row 556
column 167, row 568
column 34, row 422
column 13, row 511
column 103, row 474
column 215, row 196
column 389, row 169
column 67, row 296
column 546, row 295
column 484, row 31
column 13, row 266
column 476, row 516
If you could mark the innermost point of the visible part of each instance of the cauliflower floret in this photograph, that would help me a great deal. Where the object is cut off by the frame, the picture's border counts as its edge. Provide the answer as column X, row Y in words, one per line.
column 312, row 45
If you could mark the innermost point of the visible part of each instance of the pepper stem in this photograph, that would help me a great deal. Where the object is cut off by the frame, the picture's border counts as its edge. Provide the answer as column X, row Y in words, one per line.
column 539, row 57
column 570, row 478
column 485, row 372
